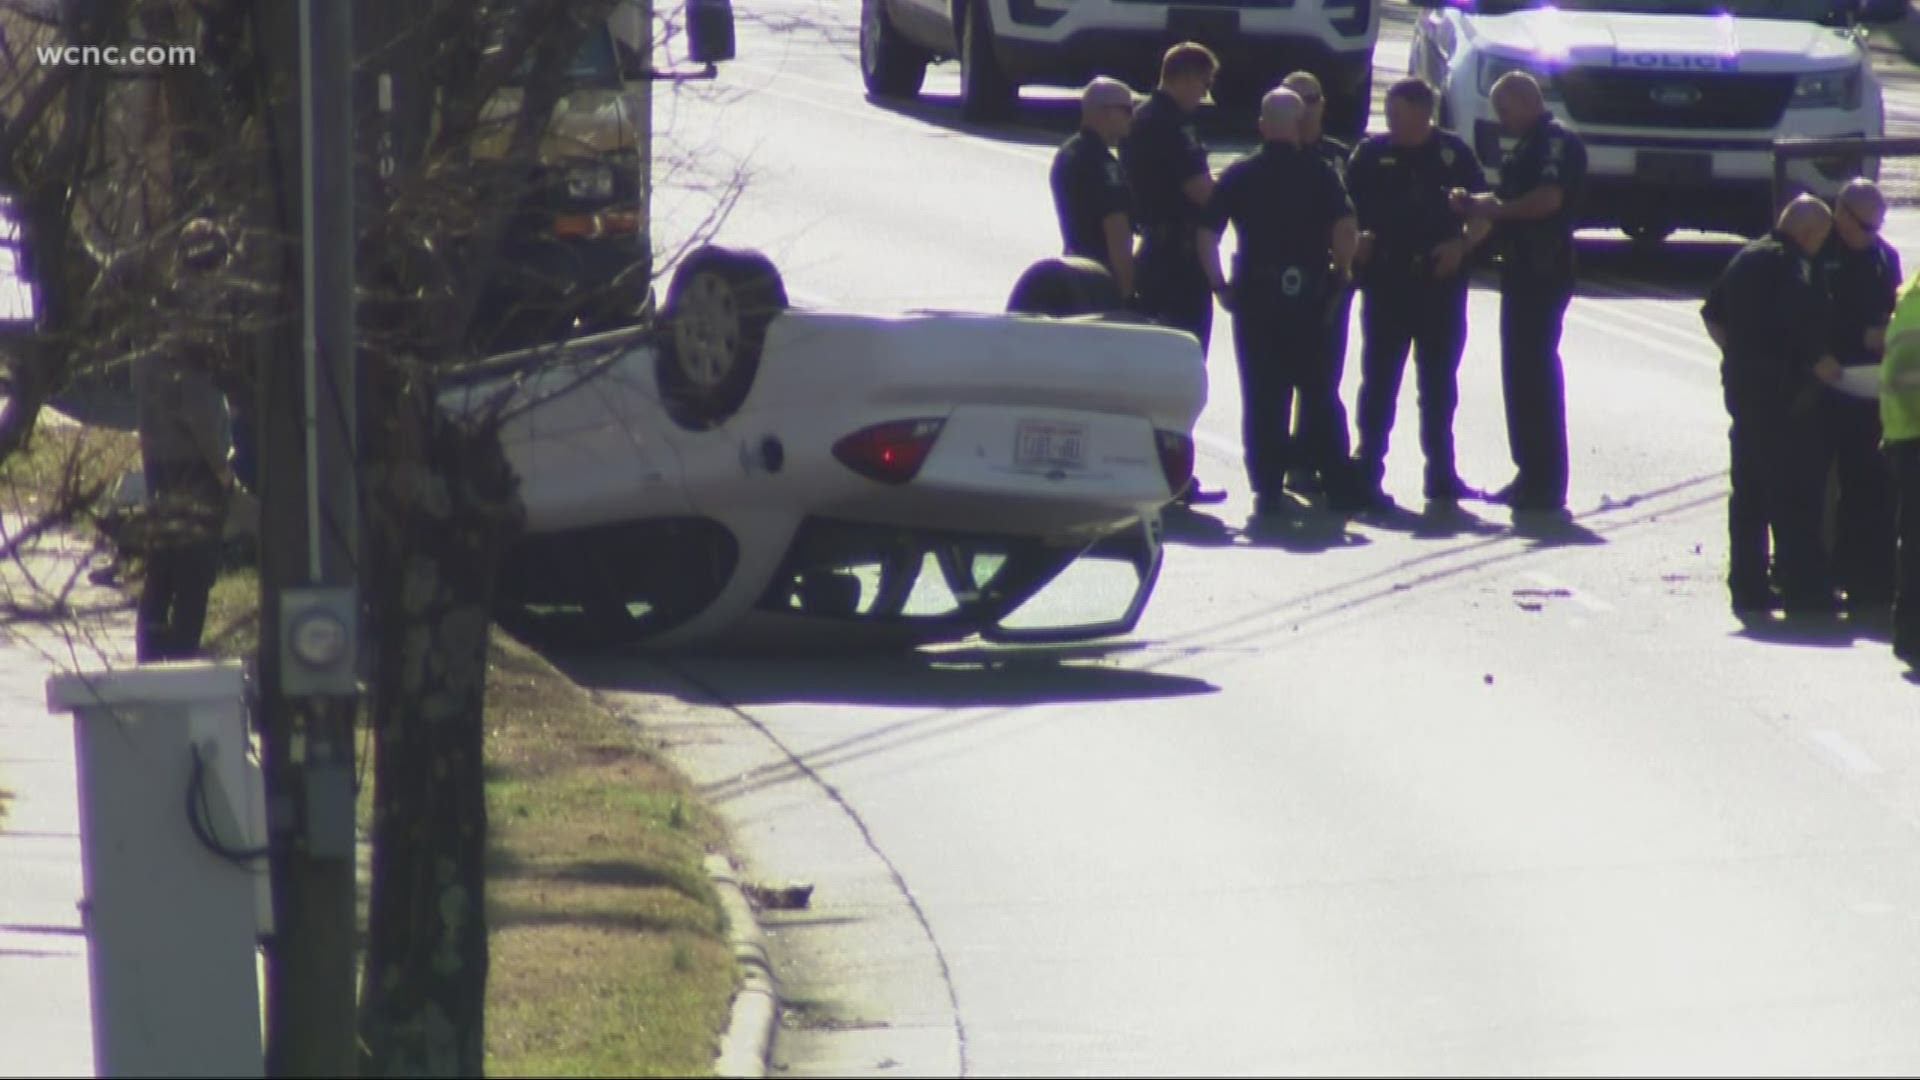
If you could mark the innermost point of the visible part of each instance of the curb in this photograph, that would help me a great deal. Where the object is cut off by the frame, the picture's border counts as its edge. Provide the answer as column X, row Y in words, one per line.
column 747, row 1043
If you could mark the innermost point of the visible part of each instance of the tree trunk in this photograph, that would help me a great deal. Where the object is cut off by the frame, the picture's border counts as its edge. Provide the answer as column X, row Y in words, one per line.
column 444, row 507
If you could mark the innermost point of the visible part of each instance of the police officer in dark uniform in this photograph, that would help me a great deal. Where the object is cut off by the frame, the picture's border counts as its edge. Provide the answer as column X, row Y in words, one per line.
column 1768, row 314
column 1314, row 422
column 1090, row 193
column 1413, row 256
column 1862, row 273
column 1297, row 234
column 1166, row 163
column 1535, row 210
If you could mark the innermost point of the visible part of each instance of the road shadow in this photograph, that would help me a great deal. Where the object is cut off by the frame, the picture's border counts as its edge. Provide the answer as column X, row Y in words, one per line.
column 963, row 678
column 1433, row 521
column 1187, row 526
column 1610, row 264
column 1450, row 521
column 1301, row 528
column 1807, row 632
column 1550, row 529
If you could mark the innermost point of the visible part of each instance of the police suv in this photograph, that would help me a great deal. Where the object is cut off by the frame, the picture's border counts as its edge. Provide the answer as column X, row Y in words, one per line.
column 1678, row 101
column 1003, row 44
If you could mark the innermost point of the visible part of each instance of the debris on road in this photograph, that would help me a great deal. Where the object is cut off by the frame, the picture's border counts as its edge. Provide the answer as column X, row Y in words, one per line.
column 793, row 896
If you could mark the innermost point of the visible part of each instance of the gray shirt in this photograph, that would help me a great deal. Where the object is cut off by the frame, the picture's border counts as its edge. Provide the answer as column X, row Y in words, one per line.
column 182, row 415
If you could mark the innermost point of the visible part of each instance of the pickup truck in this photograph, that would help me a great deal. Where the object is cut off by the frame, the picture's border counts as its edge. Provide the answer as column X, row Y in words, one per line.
column 1004, row 44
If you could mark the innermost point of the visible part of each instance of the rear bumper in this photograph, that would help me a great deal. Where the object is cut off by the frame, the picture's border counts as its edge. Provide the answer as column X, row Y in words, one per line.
column 976, row 477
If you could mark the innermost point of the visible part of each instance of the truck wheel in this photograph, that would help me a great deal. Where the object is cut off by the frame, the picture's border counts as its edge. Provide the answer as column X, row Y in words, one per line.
column 1065, row 287
column 890, row 65
column 719, row 306
column 985, row 91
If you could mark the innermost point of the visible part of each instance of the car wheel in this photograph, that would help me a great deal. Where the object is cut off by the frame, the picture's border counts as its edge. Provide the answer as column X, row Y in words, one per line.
column 719, row 306
column 985, row 91
column 1065, row 287
column 890, row 65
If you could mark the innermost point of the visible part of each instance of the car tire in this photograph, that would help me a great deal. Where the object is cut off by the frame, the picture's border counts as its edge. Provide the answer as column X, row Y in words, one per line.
column 719, row 306
column 890, row 65
column 985, row 91
column 1065, row 287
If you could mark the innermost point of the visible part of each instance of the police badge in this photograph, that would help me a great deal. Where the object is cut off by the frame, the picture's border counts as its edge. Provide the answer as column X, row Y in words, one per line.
column 1446, row 156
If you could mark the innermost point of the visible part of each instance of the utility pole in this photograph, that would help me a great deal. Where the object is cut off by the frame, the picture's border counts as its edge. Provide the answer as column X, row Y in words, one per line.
column 308, row 662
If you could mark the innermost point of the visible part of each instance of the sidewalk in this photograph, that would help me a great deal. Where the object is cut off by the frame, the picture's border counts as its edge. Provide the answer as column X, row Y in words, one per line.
column 46, row 1018
column 46, row 1011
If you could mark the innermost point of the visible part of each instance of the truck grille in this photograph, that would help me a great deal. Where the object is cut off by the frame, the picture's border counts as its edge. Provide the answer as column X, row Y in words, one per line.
column 1721, row 100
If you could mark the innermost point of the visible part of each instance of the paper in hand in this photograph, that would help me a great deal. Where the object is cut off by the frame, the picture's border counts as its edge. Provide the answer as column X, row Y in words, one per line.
column 1860, row 380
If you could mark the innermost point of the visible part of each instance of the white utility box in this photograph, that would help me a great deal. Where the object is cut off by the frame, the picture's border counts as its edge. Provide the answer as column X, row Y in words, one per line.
column 171, row 815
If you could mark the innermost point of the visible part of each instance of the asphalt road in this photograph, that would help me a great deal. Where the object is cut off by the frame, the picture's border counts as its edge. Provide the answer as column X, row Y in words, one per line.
column 1412, row 796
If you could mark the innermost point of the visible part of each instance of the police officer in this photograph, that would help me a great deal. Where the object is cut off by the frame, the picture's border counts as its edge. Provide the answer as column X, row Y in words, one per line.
column 1316, row 421
column 1166, row 164
column 1090, row 194
column 1297, row 234
column 1900, row 419
column 1534, row 211
column 1767, row 312
column 1862, row 273
column 182, row 418
column 1413, row 258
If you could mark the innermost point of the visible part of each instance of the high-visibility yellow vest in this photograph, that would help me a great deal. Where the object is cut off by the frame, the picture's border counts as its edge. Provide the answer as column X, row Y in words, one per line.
column 1900, row 367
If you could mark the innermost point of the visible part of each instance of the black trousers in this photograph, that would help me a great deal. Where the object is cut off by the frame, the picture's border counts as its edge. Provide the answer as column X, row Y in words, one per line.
column 1904, row 457
column 1430, row 317
column 1777, row 493
column 1319, row 422
column 1863, row 547
column 1280, row 343
column 182, row 561
column 1531, row 315
column 1172, row 289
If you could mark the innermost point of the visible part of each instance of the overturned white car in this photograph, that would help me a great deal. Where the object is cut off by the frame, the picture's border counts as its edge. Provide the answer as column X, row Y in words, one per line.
column 746, row 470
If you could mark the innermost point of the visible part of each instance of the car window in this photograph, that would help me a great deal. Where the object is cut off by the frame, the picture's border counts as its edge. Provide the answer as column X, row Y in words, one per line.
column 1097, row 589
column 594, row 66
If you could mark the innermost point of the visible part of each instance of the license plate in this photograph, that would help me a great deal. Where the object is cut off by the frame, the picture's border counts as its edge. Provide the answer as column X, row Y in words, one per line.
column 1208, row 26
column 1044, row 445
column 1676, row 167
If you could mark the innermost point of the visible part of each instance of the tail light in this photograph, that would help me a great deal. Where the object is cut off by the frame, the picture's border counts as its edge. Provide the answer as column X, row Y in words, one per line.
column 891, row 453
column 1176, row 459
